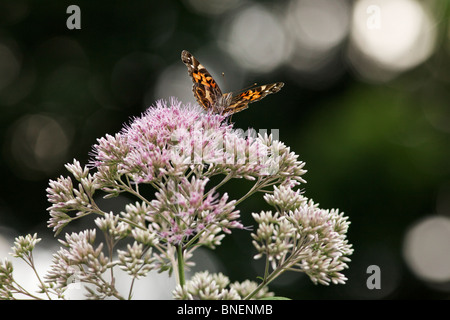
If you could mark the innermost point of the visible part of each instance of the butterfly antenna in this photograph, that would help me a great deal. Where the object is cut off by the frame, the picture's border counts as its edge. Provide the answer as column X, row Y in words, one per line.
column 224, row 80
column 247, row 88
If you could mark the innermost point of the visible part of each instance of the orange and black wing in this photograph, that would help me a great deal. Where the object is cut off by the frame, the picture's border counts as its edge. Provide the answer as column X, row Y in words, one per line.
column 241, row 101
column 205, row 89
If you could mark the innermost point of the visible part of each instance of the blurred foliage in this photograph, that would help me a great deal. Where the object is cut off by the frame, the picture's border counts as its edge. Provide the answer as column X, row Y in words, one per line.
column 380, row 152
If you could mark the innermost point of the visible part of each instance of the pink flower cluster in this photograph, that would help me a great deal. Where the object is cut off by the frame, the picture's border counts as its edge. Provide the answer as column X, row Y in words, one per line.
column 171, row 140
column 177, row 149
column 183, row 210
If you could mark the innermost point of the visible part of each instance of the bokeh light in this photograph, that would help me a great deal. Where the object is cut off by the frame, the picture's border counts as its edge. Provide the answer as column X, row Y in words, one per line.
column 255, row 38
column 390, row 36
column 316, row 29
column 172, row 82
column 9, row 66
column 38, row 144
column 426, row 249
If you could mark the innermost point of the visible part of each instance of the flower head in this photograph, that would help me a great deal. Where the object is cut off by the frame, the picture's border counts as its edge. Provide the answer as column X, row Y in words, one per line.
column 173, row 140
column 216, row 286
column 185, row 209
column 177, row 149
column 302, row 236
column 24, row 245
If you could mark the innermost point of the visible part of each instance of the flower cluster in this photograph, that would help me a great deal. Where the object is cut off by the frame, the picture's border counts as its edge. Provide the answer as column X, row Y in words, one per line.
column 80, row 260
column 206, row 286
column 23, row 249
column 183, row 210
column 7, row 283
column 166, row 161
column 301, row 236
column 23, row 246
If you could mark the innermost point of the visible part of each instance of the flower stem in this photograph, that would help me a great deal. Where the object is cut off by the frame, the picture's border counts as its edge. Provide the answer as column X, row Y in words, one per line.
column 266, row 282
column 31, row 264
column 255, row 188
column 130, row 293
column 224, row 180
column 285, row 264
column 181, row 276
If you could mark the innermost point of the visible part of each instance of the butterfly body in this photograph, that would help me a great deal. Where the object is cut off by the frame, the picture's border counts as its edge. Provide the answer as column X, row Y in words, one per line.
column 210, row 97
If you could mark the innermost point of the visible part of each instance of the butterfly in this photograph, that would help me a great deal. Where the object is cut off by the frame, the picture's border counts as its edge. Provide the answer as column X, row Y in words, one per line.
column 210, row 97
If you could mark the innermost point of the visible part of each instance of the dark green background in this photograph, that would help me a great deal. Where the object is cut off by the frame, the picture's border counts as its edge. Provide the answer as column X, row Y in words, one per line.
column 368, row 148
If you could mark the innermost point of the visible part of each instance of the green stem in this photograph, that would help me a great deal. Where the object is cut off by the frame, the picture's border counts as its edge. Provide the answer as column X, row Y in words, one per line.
column 96, row 209
column 21, row 290
column 24, row 292
column 284, row 266
column 181, row 276
column 133, row 192
column 266, row 282
column 130, row 293
column 224, row 180
column 31, row 264
column 191, row 242
column 255, row 188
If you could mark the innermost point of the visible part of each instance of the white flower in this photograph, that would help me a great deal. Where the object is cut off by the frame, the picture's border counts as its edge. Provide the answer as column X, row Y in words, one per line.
column 216, row 286
column 24, row 245
column 301, row 236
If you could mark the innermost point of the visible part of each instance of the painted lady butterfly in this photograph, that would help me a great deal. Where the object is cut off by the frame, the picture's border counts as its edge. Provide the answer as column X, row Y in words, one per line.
column 209, row 95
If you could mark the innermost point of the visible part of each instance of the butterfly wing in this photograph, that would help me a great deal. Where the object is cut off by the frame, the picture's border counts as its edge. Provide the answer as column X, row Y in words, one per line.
column 205, row 89
column 241, row 101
